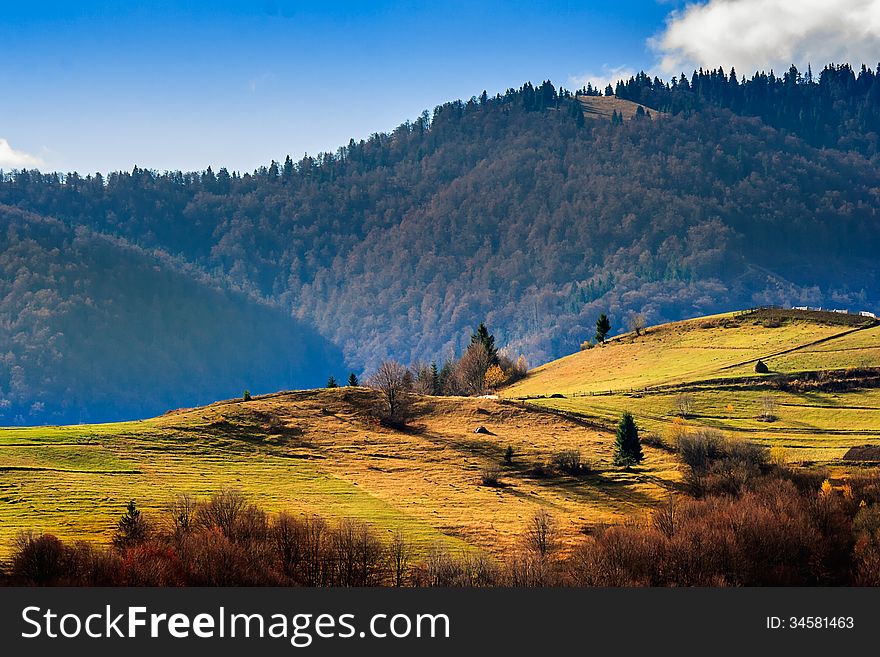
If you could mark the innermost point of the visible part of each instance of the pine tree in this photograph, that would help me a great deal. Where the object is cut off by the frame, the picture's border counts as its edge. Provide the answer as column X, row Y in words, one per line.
column 446, row 378
column 436, row 387
column 627, row 448
column 287, row 169
column 353, row 380
column 132, row 528
column 331, row 382
column 603, row 326
column 482, row 336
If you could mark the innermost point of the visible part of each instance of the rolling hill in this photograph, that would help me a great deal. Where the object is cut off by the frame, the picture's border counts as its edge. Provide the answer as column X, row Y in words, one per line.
column 320, row 451
column 820, row 399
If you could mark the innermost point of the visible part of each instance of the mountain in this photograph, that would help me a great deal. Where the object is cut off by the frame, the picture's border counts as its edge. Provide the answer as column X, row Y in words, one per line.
column 94, row 328
column 530, row 210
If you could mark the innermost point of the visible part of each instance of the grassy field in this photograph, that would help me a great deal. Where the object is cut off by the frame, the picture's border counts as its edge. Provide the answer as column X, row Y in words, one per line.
column 602, row 107
column 319, row 452
column 712, row 361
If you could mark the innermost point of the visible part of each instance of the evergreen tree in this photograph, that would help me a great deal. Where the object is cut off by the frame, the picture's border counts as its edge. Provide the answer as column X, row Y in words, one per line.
column 446, row 378
column 353, row 380
column 436, row 387
column 482, row 336
column 287, row 169
column 576, row 112
column 627, row 448
column 331, row 382
column 132, row 528
column 603, row 326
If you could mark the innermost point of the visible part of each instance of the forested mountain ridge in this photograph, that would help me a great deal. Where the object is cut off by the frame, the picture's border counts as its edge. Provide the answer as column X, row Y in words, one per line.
column 94, row 328
column 515, row 210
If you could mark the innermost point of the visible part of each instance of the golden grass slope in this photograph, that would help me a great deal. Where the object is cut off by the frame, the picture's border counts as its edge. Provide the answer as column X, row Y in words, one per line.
column 320, row 452
column 721, row 346
column 712, row 360
column 602, row 107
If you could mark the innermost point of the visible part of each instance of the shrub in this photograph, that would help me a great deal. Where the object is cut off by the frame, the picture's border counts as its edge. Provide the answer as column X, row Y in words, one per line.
column 508, row 455
column 653, row 440
column 761, row 367
column 38, row 560
column 442, row 569
column 714, row 463
column 222, row 512
column 491, row 476
column 698, row 449
column 779, row 456
column 540, row 470
column 494, row 377
column 677, row 430
column 246, row 396
column 569, row 461
column 713, row 542
column 153, row 565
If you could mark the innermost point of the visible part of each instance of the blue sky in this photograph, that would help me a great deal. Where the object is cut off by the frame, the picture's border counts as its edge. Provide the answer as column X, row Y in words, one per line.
column 96, row 85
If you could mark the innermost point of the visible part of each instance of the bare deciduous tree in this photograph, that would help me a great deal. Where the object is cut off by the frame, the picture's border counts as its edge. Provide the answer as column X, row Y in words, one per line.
column 182, row 510
column 685, row 404
column 222, row 511
column 399, row 556
column 541, row 534
column 391, row 380
column 768, row 408
column 665, row 518
column 470, row 372
column 637, row 323
column 423, row 381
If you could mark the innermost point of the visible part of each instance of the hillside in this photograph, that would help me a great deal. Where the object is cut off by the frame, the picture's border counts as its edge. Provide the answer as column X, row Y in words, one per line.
column 822, row 392
column 511, row 209
column 320, row 452
column 603, row 107
column 92, row 327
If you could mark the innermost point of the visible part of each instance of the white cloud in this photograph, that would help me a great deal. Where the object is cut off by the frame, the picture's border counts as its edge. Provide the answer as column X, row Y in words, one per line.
column 762, row 34
column 13, row 159
column 255, row 84
column 608, row 75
